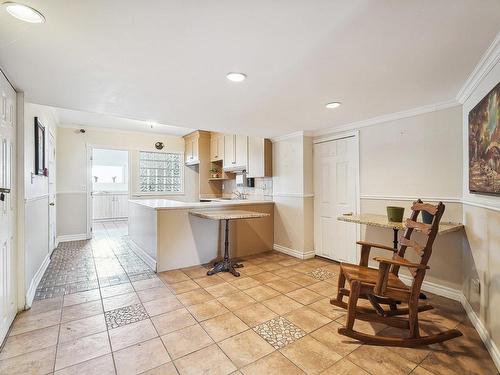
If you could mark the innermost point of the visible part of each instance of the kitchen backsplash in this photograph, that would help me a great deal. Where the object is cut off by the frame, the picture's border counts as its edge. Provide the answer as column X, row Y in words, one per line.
column 263, row 189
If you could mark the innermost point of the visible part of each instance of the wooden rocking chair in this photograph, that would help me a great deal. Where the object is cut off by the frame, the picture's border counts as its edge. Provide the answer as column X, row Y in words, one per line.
column 383, row 286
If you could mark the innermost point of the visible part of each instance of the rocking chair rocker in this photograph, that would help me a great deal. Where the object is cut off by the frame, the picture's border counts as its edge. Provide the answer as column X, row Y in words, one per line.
column 383, row 286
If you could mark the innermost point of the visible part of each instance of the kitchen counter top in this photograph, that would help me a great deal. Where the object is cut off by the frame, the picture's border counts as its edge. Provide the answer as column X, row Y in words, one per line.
column 228, row 214
column 167, row 204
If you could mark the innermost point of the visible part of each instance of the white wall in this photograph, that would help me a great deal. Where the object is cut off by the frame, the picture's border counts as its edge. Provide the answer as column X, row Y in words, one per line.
column 72, row 170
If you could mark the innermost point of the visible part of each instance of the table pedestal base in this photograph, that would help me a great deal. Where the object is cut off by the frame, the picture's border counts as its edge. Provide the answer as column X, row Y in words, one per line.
column 226, row 265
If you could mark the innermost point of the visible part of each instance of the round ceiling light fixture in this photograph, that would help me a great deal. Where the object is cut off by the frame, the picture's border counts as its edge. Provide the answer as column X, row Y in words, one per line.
column 332, row 105
column 236, row 77
column 23, row 12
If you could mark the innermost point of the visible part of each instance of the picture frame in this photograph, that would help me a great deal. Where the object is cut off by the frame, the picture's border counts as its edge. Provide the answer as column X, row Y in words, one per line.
column 39, row 147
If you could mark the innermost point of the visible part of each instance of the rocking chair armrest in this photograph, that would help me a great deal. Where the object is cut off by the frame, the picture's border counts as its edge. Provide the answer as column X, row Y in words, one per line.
column 366, row 248
column 404, row 263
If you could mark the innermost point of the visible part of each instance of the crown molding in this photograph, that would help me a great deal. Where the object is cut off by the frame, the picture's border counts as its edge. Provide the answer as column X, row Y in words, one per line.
column 301, row 133
column 389, row 117
column 115, row 130
column 483, row 67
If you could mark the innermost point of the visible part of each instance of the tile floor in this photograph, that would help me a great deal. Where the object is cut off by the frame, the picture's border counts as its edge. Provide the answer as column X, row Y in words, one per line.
column 100, row 310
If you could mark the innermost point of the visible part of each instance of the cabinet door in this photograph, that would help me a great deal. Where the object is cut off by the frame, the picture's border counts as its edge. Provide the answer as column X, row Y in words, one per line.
column 194, row 148
column 220, row 147
column 255, row 157
column 214, row 155
column 188, row 150
column 241, row 150
column 229, row 156
column 121, row 206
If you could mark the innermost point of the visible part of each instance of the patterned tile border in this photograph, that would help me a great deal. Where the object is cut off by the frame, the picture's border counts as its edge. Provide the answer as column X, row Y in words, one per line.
column 320, row 274
column 279, row 332
column 125, row 315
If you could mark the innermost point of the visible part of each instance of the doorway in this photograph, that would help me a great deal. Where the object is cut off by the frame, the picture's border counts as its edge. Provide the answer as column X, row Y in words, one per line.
column 336, row 193
column 52, row 192
column 110, row 186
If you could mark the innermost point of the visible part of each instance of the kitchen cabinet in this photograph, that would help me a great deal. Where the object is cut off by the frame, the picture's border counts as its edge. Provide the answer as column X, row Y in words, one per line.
column 235, row 152
column 216, row 147
column 109, row 206
column 192, row 150
column 259, row 157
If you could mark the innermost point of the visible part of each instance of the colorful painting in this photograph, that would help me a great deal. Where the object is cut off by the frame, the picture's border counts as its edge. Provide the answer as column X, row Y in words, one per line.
column 484, row 144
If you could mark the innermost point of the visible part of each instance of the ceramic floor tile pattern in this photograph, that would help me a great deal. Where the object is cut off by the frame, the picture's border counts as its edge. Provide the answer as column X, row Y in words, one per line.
column 275, row 319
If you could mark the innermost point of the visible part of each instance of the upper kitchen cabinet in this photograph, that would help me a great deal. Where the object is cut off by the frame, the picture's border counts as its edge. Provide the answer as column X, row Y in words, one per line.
column 192, row 146
column 260, row 157
column 235, row 152
column 216, row 147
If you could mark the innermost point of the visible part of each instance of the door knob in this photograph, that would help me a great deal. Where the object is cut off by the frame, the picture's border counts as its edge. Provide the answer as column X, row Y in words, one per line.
column 52, row 204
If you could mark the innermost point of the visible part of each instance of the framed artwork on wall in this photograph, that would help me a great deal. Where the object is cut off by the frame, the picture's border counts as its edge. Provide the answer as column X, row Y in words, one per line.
column 39, row 147
column 484, row 144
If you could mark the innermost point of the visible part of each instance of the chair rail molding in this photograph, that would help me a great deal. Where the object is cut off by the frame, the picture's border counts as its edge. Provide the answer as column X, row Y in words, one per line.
column 410, row 198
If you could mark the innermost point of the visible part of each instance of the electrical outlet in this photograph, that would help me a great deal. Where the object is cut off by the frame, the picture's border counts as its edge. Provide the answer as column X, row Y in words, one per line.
column 476, row 285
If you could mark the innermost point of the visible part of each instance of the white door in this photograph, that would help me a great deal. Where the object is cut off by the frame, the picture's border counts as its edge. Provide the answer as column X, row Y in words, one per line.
column 8, row 282
column 335, row 194
column 52, row 192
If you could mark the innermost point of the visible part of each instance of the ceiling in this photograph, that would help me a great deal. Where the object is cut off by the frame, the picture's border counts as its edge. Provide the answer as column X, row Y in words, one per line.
column 166, row 60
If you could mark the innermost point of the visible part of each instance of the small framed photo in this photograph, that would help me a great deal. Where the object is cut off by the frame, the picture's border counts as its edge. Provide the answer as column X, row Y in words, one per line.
column 39, row 147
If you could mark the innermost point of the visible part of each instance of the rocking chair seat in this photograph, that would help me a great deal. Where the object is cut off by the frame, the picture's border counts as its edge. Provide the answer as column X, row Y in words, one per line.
column 367, row 275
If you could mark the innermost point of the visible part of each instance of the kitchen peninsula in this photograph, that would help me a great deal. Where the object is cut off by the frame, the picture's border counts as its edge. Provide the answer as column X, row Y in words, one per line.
column 167, row 237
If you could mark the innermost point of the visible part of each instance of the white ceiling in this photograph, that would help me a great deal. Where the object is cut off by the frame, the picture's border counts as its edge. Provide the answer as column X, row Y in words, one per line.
column 166, row 60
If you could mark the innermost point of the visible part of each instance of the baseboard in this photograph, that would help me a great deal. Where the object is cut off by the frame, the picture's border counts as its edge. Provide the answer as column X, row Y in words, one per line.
column 440, row 290
column 30, row 294
column 293, row 252
column 482, row 331
column 142, row 254
column 72, row 237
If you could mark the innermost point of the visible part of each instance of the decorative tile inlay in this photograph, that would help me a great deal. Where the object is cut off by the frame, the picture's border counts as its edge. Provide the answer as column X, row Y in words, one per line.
column 125, row 315
column 279, row 332
column 320, row 274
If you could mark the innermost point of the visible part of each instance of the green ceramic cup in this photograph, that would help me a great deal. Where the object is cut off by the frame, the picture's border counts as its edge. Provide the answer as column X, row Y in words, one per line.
column 395, row 214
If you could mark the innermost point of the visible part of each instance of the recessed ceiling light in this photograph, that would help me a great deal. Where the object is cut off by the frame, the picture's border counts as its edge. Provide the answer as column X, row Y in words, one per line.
column 332, row 105
column 236, row 77
column 24, row 12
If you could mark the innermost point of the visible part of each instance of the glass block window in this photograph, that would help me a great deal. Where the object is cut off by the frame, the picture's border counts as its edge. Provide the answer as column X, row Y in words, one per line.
column 160, row 172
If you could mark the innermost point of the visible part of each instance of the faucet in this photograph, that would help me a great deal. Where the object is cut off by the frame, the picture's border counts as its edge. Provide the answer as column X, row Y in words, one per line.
column 239, row 194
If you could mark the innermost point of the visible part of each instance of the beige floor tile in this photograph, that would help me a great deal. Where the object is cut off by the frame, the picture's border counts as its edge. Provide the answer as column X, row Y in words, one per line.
column 236, row 301
column 289, row 262
column 243, row 283
column 116, row 290
column 415, row 355
column 304, row 267
column 28, row 321
column 113, row 303
column 162, row 305
column 98, row 366
column 324, row 307
column 29, row 342
column 186, row 341
column 221, row 290
column 46, row 305
column 266, row 277
column 172, row 321
column 131, row 334
column 245, row 348
column 421, row 371
column 283, row 285
column 207, row 310
column 282, row 304
column 310, row 355
column 261, row 292
column 223, row 326
column 174, row 276
column 80, row 350
column 141, row 357
column 147, row 295
column 369, row 358
column 81, row 311
column 148, row 284
column 82, row 297
column 255, row 314
column 208, row 281
column 271, row 266
column 194, row 297
column 210, row 360
column 250, row 270
column 329, row 336
column 83, row 327
column 287, row 272
column 324, row 288
column 370, row 328
column 195, row 272
column 166, row 369
column 345, row 367
column 226, row 276
column 40, row 362
column 304, row 296
column 274, row 363
column 307, row 319
column 303, row 280
column 183, row 286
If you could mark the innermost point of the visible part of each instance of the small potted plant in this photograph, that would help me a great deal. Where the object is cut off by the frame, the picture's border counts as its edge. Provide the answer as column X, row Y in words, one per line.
column 214, row 173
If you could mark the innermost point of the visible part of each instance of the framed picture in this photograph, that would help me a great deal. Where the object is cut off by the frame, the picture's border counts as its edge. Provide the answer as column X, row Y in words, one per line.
column 39, row 147
column 484, row 144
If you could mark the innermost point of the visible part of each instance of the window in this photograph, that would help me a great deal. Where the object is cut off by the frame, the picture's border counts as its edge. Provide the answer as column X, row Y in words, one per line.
column 160, row 172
